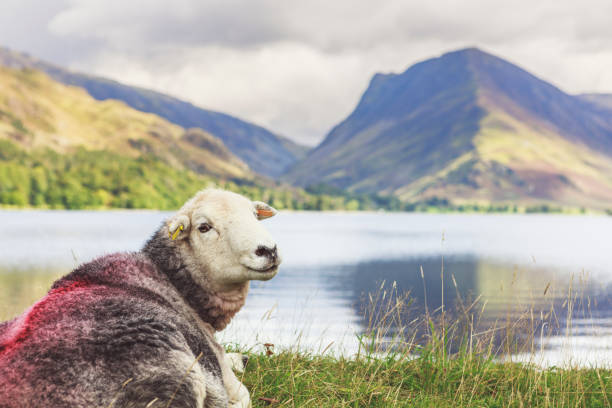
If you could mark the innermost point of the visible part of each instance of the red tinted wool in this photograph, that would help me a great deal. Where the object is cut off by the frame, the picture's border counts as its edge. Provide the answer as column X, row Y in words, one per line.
column 50, row 305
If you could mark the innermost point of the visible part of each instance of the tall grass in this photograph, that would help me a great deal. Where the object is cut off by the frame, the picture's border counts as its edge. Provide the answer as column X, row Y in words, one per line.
column 450, row 357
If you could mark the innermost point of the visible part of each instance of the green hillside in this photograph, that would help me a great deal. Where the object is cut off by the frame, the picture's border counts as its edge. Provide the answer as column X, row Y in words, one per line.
column 265, row 152
column 469, row 127
column 61, row 148
column 95, row 179
column 36, row 111
column 91, row 179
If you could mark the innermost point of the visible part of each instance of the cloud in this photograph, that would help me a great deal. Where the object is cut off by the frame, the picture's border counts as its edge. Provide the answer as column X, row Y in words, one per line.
column 288, row 87
column 299, row 67
column 330, row 26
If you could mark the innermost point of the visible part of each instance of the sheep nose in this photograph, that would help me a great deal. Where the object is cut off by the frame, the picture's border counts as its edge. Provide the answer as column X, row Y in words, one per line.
column 269, row 253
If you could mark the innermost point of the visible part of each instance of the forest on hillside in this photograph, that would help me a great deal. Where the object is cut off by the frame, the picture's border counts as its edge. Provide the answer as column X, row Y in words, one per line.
column 89, row 179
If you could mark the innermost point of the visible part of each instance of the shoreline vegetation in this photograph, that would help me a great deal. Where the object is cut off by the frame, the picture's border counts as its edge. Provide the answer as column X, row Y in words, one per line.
column 465, row 379
column 444, row 359
column 338, row 208
column 98, row 180
column 420, row 210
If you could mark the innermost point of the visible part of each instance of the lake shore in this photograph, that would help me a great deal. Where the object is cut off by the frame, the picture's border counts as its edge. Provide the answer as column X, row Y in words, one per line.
column 417, row 209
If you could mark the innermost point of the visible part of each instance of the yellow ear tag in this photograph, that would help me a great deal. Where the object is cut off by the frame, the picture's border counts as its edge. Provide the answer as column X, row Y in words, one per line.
column 177, row 232
column 265, row 213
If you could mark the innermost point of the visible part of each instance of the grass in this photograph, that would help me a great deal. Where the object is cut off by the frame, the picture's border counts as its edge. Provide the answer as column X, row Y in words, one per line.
column 439, row 360
column 429, row 379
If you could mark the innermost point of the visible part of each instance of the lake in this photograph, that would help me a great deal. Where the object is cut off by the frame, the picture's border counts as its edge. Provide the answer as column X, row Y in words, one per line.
column 504, row 268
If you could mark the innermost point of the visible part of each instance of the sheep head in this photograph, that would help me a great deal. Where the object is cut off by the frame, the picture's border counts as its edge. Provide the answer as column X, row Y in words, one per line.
column 220, row 234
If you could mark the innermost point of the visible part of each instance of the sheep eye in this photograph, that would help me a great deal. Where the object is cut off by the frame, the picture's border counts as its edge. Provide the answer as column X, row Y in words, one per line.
column 204, row 227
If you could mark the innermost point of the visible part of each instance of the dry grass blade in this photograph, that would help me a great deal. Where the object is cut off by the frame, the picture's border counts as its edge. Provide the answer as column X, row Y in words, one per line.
column 183, row 379
column 126, row 382
column 269, row 400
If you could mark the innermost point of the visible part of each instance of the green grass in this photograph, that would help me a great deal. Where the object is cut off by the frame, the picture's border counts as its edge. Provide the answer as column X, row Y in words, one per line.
column 438, row 360
column 429, row 379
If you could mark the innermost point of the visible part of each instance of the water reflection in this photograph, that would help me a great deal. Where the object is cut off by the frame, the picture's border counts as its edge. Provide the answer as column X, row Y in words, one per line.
column 524, row 302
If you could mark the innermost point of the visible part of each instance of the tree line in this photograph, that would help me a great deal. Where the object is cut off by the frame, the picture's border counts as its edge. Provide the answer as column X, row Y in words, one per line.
column 88, row 179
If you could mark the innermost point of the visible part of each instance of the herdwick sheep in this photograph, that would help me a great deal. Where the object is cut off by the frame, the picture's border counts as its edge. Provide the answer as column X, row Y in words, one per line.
column 136, row 329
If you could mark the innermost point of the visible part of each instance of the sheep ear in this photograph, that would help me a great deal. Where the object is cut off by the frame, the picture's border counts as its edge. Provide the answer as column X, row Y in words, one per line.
column 178, row 227
column 264, row 210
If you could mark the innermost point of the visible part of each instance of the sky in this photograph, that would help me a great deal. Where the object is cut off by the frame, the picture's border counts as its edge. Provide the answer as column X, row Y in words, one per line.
column 299, row 67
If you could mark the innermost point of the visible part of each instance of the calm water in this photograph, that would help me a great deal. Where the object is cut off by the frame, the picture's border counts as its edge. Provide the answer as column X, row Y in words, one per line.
column 500, row 265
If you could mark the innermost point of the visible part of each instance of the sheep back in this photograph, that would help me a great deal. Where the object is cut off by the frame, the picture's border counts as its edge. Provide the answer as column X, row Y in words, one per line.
column 109, row 320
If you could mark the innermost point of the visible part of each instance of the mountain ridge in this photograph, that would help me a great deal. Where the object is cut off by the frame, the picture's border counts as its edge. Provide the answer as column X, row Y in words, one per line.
column 38, row 112
column 265, row 152
column 602, row 100
column 454, row 127
column 62, row 149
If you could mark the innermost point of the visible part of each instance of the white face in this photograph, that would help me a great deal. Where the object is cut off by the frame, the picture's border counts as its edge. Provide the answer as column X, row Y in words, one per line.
column 226, row 239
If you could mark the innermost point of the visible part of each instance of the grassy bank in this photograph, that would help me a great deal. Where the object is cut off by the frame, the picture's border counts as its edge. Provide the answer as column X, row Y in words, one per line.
column 430, row 379
column 442, row 359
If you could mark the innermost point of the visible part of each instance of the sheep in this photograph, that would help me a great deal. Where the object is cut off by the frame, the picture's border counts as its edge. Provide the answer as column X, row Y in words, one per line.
column 137, row 329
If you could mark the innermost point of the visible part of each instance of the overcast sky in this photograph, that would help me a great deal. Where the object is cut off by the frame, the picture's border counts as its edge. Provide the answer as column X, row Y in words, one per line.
column 299, row 67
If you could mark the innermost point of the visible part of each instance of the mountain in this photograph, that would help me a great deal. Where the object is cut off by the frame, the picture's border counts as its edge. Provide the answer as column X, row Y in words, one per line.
column 602, row 100
column 468, row 127
column 264, row 152
column 61, row 148
column 38, row 112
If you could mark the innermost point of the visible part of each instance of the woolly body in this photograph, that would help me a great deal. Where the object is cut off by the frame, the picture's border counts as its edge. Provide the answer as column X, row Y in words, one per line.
column 144, row 317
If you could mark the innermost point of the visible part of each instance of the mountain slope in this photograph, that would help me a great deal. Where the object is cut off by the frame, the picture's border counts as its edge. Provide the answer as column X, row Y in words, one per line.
column 37, row 112
column 601, row 100
column 264, row 152
column 61, row 148
column 468, row 126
